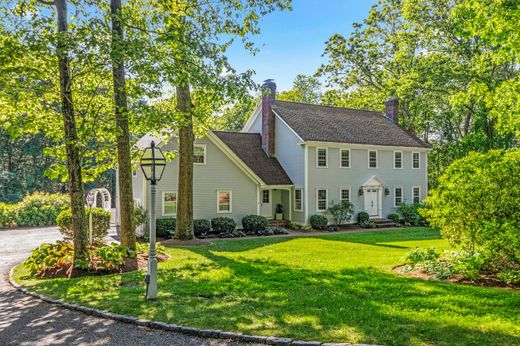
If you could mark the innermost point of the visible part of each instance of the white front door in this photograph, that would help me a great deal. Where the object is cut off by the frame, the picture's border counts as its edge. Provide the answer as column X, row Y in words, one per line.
column 266, row 208
column 371, row 200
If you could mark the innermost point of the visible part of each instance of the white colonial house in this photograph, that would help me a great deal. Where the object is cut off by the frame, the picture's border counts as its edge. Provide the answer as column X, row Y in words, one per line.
column 300, row 156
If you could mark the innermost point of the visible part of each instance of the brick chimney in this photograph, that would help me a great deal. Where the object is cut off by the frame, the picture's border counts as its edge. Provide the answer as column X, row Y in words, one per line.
column 392, row 109
column 268, row 122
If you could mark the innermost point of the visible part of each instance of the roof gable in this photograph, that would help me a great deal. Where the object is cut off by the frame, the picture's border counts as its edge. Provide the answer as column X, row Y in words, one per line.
column 344, row 125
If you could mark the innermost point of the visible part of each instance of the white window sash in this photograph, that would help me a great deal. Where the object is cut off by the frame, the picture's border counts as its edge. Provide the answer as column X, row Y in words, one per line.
column 341, row 151
column 318, row 200
column 203, row 146
column 230, row 201
column 300, row 208
column 163, row 203
column 318, row 157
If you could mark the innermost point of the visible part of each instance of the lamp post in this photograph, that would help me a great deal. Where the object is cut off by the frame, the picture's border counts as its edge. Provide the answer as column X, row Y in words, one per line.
column 152, row 164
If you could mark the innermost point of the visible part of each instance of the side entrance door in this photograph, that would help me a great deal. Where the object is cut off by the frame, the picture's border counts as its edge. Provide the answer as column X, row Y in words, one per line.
column 266, row 209
column 371, row 205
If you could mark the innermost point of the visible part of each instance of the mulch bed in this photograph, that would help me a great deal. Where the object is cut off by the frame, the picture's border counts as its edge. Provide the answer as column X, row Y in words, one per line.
column 483, row 281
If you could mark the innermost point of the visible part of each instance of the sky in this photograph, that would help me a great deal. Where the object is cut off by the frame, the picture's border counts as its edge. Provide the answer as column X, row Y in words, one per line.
column 293, row 42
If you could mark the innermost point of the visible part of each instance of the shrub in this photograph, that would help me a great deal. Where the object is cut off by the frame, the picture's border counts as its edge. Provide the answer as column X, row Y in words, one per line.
column 49, row 256
column 40, row 209
column 253, row 223
column 368, row 224
column 341, row 212
column 467, row 264
column 363, row 216
column 140, row 216
column 418, row 255
column 201, row 228
column 100, row 223
column 318, row 221
column 165, row 227
column 410, row 213
column 509, row 276
column 223, row 225
column 110, row 257
column 441, row 269
column 395, row 218
column 7, row 215
column 475, row 205
column 278, row 230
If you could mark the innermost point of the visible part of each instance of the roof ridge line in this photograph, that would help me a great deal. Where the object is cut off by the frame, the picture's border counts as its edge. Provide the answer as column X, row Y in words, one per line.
column 329, row 106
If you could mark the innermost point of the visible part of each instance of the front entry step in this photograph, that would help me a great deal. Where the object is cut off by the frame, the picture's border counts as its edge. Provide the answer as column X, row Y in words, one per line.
column 383, row 222
column 280, row 223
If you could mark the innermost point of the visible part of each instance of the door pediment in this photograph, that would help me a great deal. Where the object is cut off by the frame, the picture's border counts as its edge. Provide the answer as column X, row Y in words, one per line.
column 373, row 181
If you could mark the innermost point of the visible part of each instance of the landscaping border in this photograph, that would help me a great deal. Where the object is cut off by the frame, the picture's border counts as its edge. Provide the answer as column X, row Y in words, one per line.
column 202, row 333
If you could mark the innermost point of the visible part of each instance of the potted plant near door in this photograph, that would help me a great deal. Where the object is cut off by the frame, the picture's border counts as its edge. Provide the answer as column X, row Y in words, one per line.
column 279, row 212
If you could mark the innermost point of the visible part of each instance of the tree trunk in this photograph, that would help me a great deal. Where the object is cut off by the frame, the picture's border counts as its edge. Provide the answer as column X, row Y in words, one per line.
column 79, row 226
column 126, row 199
column 184, row 227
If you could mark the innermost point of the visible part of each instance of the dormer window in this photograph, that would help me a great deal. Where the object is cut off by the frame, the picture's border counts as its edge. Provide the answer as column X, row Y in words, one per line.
column 199, row 154
column 321, row 157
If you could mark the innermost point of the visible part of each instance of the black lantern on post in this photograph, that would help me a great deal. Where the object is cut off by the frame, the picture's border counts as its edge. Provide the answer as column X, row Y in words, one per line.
column 152, row 164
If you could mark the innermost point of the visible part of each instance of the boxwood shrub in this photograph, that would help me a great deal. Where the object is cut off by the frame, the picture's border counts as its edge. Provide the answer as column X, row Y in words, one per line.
column 165, row 227
column 253, row 223
column 100, row 223
column 394, row 217
column 201, row 228
column 363, row 217
column 319, row 222
column 223, row 225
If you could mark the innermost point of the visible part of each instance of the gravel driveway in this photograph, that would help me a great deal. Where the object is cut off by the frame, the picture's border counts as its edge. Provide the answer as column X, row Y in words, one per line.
column 28, row 321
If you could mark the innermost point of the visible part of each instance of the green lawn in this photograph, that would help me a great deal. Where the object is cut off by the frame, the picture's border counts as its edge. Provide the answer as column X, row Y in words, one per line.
column 336, row 287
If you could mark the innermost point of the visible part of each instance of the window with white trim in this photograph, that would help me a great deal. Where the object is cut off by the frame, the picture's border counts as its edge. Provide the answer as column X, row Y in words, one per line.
column 344, row 158
column 321, row 157
column 398, row 196
column 169, row 203
column 224, row 201
column 298, row 200
column 372, row 159
column 265, row 196
column 416, row 160
column 345, row 195
column 416, row 194
column 398, row 159
column 199, row 154
column 321, row 200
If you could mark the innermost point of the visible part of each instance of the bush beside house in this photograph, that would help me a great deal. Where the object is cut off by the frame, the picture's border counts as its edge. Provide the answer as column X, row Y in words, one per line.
column 100, row 223
column 37, row 209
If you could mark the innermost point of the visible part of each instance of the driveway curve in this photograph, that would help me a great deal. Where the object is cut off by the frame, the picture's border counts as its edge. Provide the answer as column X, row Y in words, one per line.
column 25, row 320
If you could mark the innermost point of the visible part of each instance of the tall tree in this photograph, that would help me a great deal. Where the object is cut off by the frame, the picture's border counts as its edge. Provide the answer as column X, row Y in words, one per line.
column 233, row 116
column 306, row 89
column 126, row 200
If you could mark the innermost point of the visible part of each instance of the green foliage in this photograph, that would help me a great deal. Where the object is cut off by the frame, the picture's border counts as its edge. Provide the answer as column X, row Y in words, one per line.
column 140, row 216
column 418, row 255
column 100, row 223
column 318, row 222
column 165, row 227
column 253, row 223
column 363, row 217
column 475, row 206
column 341, row 212
column 469, row 265
column 7, row 215
column 223, row 225
column 394, row 217
column 111, row 257
column 410, row 215
column 145, row 248
column 306, row 89
column 48, row 256
column 509, row 276
column 201, row 227
column 235, row 115
column 368, row 224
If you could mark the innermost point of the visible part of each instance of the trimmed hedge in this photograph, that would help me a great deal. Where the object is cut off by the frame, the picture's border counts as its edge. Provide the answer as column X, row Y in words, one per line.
column 253, row 223
column 100, row 223
column 362, row 217
column 37, row 209
column 165, row 227
column 394, row 217
column 223, row 225
column 319, row 222
column 201, row 227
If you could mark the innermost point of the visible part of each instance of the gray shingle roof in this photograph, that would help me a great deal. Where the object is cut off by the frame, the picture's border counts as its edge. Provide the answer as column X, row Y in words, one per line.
column 344, row 125
column 248, row 147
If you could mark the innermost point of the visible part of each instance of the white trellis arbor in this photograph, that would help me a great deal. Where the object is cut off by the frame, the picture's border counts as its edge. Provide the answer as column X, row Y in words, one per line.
column 106, row 199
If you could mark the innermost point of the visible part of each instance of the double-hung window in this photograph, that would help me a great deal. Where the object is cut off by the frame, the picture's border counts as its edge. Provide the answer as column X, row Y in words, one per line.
column 398, row 196
column 169, row 203
column 345, row 195
column 321, row 157
column 372, row 159
column 321, row 200
column 224, row 201
column 344, row 158
column 199, row 154
column 298, row 200
column 398, row 159
column 416, row 160
column 416, row 194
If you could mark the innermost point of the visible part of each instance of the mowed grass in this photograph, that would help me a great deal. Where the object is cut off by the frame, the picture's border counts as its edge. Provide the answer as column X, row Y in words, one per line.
column 337, row 287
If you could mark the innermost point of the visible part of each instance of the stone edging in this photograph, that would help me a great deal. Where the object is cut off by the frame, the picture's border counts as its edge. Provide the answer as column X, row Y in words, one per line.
column 202, row 333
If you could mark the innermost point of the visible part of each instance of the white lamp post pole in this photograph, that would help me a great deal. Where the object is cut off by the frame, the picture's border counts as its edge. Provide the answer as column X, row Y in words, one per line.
column 152, row 259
